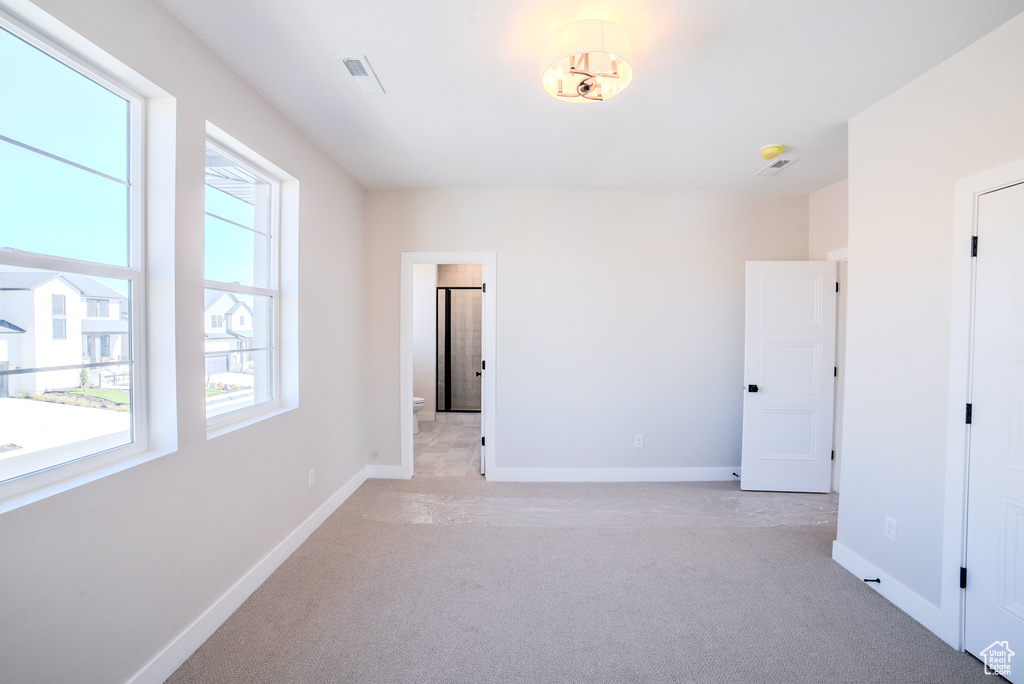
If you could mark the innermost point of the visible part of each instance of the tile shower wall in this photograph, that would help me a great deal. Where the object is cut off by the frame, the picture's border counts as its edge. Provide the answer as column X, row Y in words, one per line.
column 466, row 344
column 459, row 275
column 466, row 322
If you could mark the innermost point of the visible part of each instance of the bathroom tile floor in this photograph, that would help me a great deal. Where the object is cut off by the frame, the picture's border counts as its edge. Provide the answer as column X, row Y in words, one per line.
column 448, row 447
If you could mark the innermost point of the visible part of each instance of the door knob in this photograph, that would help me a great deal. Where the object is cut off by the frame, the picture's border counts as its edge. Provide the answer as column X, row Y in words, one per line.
column 751, row 388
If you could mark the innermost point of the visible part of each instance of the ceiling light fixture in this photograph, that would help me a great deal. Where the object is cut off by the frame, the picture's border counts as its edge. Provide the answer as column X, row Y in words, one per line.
column 587, row 61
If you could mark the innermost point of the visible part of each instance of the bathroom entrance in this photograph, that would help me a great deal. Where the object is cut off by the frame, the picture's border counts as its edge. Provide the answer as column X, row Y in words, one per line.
column 459, row 327
column 448, row 363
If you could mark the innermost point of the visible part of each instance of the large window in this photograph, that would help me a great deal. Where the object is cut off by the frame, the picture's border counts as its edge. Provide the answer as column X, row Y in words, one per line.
column 241, row 284
column 69, row 230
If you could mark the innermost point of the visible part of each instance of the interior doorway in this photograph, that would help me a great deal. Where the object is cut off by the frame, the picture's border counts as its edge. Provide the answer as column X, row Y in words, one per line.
column 484, row 363
column 963, row 573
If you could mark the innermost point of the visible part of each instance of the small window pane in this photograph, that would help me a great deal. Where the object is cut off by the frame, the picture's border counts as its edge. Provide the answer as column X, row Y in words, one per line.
column 52, row 107
column 58, row 304
column 98, row 308
column 231, row 253
column 228, row 207
column 239, row 355
column 52, row 208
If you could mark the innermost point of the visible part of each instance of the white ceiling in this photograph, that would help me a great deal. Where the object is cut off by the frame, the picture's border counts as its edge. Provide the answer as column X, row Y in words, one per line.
column 714, row 81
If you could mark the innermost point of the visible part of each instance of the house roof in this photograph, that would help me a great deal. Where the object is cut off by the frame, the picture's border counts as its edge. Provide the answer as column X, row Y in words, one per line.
column 214, row 296
column 30, row 280
column 239, row 305
column 6, row 327
column 24, row 280
column 92, row 288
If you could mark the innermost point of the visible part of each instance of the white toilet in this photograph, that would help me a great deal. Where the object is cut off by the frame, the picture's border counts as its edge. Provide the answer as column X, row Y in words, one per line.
column 417, row 405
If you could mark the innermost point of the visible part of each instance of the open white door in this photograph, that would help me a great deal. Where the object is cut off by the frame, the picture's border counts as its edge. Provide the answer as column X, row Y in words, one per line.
column 788, row 376
column 994, row 605
column 483, row 379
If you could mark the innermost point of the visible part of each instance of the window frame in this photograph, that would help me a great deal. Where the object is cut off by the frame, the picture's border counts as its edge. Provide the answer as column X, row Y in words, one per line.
column 41, row 482
column 234, row 151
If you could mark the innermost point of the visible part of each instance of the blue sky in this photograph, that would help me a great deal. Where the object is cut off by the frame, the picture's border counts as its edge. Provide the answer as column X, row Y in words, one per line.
column 51, row 207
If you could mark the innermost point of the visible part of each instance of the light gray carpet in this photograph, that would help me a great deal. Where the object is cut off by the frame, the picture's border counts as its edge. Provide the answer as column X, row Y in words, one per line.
column 688, row 582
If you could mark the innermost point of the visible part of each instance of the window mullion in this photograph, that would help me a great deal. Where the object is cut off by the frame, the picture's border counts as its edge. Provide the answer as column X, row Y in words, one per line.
column 240, row 289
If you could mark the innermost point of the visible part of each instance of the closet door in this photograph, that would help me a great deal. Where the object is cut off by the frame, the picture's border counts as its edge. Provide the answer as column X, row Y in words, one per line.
column 994, row 624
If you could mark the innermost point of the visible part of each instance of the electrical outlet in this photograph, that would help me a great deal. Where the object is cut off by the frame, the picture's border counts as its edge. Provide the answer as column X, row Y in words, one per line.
column 638, row 441
column 312, row 477
column 890, row 528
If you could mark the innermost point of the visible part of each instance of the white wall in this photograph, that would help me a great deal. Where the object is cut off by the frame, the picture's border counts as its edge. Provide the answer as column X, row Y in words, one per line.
column 618, row 312
column 99, row 579
column 906, row 152
column 828, row 220
column 424, row 337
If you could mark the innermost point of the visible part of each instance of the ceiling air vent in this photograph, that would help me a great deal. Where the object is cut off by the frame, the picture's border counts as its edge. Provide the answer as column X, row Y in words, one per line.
column 362, row 73
column 777, row 165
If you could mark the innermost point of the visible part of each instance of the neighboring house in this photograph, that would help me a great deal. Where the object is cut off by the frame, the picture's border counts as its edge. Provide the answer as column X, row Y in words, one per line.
column 228, row 330
column 7, row 329
column 55, row 319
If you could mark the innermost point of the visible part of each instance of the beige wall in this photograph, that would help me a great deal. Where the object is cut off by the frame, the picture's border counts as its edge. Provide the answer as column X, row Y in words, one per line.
column 828, row 220
column 906, row 152
column 99, row 579
column 618, row 313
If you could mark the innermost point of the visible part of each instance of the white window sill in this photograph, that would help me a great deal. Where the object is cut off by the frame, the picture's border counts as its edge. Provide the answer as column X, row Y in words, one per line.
column 229, row 422
column 40, row 485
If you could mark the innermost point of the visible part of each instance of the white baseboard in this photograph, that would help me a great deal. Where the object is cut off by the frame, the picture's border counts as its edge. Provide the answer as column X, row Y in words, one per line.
column 613, row 474
column 904, row 598
column 384, row 472
column 185, row 644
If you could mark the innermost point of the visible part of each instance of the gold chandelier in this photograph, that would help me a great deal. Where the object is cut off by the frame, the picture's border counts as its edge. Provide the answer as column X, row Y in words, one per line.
column 587, row 61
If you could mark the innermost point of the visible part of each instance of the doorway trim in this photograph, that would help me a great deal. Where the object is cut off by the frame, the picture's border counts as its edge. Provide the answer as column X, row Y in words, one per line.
column 487, row 399
column 954, row 528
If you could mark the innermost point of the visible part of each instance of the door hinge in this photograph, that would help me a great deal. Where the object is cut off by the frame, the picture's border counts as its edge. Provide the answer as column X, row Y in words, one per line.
column 483, row 287
column 833, row 454
column 969, row 411
column 837, row 286
column 974, row 245
column 483, row 365
column 483, row 441
column 835, row 371
column 963, row 578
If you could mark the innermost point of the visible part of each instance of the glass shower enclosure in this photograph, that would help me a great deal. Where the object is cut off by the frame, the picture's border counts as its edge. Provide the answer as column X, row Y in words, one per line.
column 459, row 326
